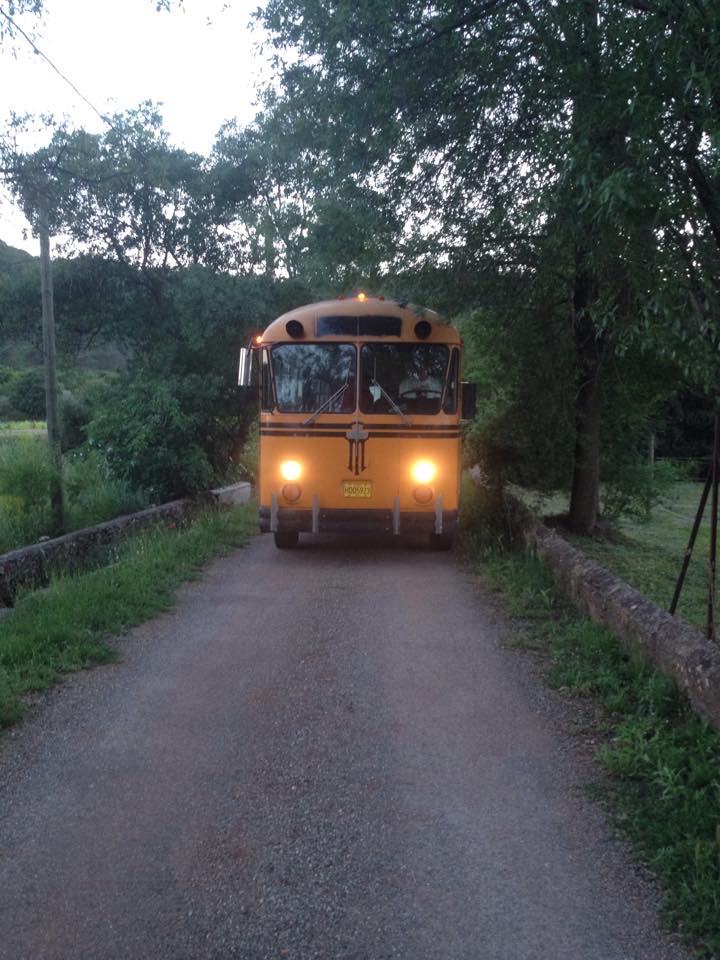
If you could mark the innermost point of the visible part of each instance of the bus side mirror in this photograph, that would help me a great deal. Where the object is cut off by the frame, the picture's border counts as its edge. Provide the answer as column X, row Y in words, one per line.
column 248, row 387
column 469, row 400
column 245, row 367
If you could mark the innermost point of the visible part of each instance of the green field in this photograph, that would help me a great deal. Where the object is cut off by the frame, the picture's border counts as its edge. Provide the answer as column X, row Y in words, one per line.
column 13, row 425
column 648, row 555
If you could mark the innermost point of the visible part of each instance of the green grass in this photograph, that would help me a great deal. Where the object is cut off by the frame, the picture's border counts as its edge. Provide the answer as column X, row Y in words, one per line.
column 91, row 493
column 11, row 425
column 64, row 628
column 649, row 555
column 663, row 763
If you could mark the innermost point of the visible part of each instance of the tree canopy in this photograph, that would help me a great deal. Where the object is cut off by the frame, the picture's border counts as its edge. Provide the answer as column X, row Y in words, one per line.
column 573, row 146
column 548, row 171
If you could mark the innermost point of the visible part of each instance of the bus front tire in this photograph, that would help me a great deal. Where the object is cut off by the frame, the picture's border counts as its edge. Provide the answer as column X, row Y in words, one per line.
column 441, row 541
column 286, row 539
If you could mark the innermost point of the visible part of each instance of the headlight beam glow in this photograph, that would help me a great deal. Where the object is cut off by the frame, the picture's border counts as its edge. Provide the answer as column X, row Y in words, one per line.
column 423, row 471
column 290, row 470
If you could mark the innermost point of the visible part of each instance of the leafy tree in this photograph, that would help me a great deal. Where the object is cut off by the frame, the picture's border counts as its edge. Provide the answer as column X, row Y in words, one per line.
column 289, row 214
column 13, row 9
column 151, row 438
column 126, row 195
column 520, row 132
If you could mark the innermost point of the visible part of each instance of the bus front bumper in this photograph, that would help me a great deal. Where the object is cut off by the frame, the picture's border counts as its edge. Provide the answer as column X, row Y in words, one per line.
column 357, row 521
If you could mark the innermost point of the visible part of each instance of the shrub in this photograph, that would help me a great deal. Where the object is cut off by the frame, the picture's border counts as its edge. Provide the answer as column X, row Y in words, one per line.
column 24, row 488
column 7, row 410
column 27, row 394
column 248, row 460
column 25, row 471
column 92, row 494
column 74, row 418
column 634, row 487
column 7, row 377
column 153, row 434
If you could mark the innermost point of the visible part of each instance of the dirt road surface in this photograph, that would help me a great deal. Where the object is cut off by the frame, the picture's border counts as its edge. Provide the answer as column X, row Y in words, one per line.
column 321, row 753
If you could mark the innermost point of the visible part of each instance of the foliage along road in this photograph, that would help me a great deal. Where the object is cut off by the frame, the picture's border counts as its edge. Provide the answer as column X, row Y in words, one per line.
column 321, row 753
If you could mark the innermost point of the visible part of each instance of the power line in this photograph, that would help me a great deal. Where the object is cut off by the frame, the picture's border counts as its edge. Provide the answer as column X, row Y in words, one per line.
column 57, row 70
column 105, row 119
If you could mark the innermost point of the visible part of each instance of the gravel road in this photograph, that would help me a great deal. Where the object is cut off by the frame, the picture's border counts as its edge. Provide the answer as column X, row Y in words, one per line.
column 321, row 753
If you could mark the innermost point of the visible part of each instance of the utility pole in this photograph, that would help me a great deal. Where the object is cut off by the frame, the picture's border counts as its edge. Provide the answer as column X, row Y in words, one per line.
column 51, row 388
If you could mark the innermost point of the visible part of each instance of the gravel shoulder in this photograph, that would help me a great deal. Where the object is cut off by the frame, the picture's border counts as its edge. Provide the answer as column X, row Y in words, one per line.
column 321, row 753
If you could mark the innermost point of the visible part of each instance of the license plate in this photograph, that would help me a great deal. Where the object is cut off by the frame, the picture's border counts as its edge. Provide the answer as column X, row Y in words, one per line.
column 357, row 488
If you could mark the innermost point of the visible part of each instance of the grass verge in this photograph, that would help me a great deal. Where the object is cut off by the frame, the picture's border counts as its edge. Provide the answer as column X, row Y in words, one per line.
column 663, row 763
column 61, row 629
column 648, row 554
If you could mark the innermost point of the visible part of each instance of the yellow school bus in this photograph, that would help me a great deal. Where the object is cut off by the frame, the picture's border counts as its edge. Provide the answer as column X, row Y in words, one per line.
column 360, row 412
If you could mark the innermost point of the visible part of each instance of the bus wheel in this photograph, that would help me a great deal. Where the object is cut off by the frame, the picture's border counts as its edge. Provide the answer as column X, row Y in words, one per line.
column 441, row 541
column 286, row 539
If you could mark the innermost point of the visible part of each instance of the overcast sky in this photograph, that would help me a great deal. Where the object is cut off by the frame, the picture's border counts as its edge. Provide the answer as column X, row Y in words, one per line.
column 201, row 63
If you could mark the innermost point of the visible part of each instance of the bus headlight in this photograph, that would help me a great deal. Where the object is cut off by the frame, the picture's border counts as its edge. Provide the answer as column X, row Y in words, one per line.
column 423, row 471
column 290, row 470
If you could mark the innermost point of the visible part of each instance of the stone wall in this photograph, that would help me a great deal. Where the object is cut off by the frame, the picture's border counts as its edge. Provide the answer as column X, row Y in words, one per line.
column 32, row 567
column 675, row 647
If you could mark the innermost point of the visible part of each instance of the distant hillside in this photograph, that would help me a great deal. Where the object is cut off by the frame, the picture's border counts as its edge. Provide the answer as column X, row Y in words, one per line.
column 11, row 258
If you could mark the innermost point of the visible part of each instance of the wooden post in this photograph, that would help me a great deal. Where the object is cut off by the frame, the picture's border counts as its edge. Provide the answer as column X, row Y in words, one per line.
column 713, row 527
column 51, row 389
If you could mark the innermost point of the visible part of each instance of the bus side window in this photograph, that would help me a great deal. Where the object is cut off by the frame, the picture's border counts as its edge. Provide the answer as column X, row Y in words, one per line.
column 451, row 391
column 266, row 398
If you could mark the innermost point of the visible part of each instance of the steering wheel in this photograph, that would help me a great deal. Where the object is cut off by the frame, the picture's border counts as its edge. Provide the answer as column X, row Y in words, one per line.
column 421, row 394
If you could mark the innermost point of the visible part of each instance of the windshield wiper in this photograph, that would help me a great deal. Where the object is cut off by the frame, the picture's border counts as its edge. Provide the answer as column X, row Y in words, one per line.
column 323, row 406
column 393, row 406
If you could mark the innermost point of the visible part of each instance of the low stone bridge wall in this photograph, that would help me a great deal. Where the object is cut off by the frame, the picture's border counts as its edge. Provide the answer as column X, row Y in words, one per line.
column 31, row 567
column 675, row 647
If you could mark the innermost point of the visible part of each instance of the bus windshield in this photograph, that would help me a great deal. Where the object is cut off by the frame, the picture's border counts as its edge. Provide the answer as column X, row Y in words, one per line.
column 410, row 375
column 308, row 375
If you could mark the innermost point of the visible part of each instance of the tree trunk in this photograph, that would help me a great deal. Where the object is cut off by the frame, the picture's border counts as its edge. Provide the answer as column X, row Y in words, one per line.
column 585, row 493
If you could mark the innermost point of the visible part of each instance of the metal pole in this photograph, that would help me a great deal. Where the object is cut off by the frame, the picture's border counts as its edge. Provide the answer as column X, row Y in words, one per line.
column 713, row 528
column 51, row 389
column 691, row 542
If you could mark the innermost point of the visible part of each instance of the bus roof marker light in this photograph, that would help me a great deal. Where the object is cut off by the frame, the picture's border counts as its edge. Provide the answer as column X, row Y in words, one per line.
column 362, row 297
column 295, row 329
column 423, row 329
